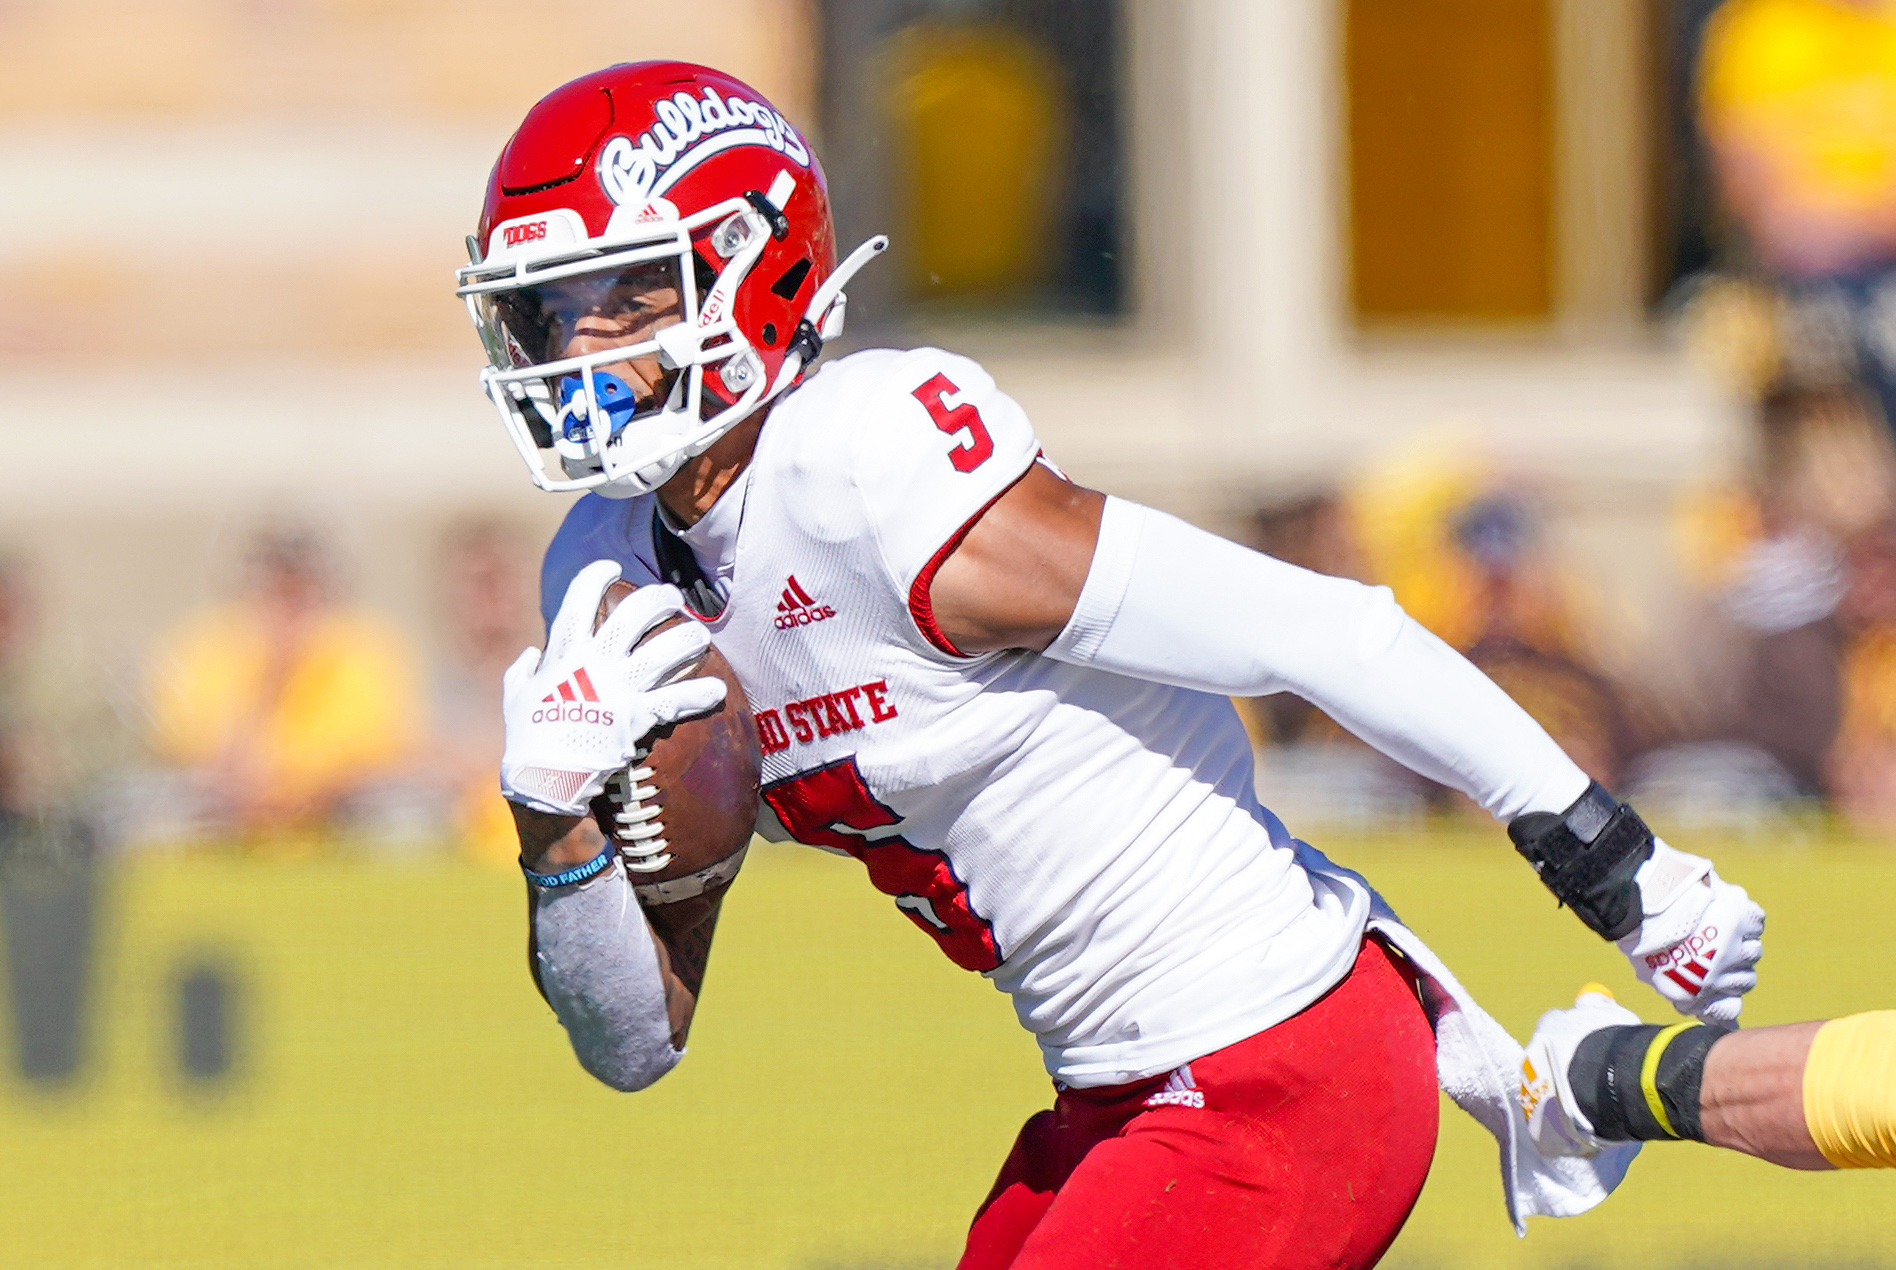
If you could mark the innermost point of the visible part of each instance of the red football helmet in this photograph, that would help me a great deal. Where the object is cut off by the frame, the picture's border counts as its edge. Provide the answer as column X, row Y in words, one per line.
column 669, row 215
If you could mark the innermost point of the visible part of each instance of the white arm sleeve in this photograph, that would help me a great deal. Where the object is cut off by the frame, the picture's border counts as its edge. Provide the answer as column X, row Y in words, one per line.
column 600, row 973
column 1170, row 603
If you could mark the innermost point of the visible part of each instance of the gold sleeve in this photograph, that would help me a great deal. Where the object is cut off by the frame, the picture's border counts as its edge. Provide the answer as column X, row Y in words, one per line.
column 1850, row 1090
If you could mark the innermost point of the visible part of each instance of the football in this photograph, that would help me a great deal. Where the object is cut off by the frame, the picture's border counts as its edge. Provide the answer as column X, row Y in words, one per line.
column 701, row 791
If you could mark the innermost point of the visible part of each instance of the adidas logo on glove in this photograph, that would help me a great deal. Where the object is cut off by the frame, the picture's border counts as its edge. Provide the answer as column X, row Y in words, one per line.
column 574, row 701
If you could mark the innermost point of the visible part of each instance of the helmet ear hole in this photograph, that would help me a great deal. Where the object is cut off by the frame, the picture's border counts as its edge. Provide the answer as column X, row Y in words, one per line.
column 537, row 428
column 703, row 273
column 770, row 334
column 791, row 282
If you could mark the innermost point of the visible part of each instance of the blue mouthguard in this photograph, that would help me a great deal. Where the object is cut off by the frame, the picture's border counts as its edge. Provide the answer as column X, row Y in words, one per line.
column 616, row 401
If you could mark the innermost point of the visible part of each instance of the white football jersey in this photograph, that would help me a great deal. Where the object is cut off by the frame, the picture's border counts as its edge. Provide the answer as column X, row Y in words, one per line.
column 1091, row 843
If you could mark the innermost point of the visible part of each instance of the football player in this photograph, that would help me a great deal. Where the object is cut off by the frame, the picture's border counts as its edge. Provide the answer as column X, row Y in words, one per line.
column 1008, row 697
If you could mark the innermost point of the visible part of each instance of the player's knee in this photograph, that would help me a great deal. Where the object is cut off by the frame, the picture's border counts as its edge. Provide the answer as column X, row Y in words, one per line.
column 1850, row 1091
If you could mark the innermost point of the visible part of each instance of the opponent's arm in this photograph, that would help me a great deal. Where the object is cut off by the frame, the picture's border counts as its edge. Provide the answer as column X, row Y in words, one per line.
column 1100, row 581
column 1814, row 1095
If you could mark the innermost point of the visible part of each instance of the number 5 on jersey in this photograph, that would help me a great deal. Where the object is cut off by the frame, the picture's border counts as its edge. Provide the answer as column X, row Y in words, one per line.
column 979, row 446
column 822, row 805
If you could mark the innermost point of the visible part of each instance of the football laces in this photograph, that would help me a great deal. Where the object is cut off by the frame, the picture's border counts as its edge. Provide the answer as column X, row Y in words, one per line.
column 635, row 823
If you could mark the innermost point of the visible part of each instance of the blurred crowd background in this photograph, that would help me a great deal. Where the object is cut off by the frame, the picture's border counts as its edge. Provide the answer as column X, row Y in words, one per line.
column 1573, row 321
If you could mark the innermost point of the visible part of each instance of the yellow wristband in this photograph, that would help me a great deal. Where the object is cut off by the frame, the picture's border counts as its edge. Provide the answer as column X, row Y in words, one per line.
column 1649, row 1075
column 1850, row 1090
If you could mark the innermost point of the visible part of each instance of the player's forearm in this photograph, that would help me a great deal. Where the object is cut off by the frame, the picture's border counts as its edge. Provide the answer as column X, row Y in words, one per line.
column 1752, row 1097
column 1805, row 1095
column 1169, row 602
column 1425, row 705
column 683, row 932
column 1818, row 1095
column 607, row 978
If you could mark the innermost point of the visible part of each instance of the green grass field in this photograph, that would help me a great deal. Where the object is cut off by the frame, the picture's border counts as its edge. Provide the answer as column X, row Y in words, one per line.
column 404, row 1099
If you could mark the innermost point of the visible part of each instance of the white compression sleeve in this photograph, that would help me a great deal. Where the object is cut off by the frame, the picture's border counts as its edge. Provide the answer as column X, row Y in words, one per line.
column 1170, row 603
column 600, row 973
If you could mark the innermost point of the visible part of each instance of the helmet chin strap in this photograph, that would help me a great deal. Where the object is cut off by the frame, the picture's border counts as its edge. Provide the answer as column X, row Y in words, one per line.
column 647, row 478
column 815, row 329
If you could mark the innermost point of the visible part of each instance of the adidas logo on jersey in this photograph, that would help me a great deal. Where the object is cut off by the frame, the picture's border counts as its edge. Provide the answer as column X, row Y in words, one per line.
column 574, row 701
column 1179, row 1090
column 799, row 608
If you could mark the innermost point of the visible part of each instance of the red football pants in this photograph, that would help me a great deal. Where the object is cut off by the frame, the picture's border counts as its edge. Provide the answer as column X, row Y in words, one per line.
column 1305, row 1145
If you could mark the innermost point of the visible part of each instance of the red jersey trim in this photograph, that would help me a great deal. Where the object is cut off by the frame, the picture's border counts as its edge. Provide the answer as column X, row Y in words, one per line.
column 921, row 604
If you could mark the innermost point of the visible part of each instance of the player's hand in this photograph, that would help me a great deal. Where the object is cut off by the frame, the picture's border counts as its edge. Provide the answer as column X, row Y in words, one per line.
column 1699, row 941
column 578, row 712
column 1554, row 1119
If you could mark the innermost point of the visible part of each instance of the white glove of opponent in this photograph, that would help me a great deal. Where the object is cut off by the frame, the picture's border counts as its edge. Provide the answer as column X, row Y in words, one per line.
column 1554, row 1119
column 1700, row 938
column 576, row 713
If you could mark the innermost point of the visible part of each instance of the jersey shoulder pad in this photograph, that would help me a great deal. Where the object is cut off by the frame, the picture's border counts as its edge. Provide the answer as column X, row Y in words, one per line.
column 927, row 441
column 598, row 528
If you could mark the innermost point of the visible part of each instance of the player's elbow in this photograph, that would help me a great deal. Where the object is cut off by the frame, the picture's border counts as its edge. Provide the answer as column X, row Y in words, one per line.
column 624, row 1044
column 1375, row 621
column 1351, row 639
column 1345, row 627
column 628, row 1068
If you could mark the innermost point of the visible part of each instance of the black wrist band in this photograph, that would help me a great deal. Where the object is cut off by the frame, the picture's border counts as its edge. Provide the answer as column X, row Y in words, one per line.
column 1588, row 856
column 1629, row 1093
column 578, row 873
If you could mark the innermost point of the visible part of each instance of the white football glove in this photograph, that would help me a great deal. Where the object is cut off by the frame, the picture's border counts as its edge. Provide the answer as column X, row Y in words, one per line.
column 577, row 712
column 1700, row 938
column 1554, row 1119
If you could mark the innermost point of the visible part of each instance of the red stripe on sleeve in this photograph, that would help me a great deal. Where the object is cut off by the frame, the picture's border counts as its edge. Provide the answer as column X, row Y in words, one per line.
column 921, row 603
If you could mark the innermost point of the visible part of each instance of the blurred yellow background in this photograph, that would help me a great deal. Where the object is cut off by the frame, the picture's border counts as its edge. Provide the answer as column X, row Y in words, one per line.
column 400, row 1096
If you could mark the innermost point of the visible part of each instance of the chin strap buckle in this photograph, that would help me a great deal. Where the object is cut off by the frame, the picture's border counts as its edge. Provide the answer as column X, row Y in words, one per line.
column 816, row 325
column 805, row 344
column 772, row 214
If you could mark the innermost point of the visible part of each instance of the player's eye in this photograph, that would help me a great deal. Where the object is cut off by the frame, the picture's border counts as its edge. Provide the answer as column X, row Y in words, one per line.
column 638, row 297
column 626, row 303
